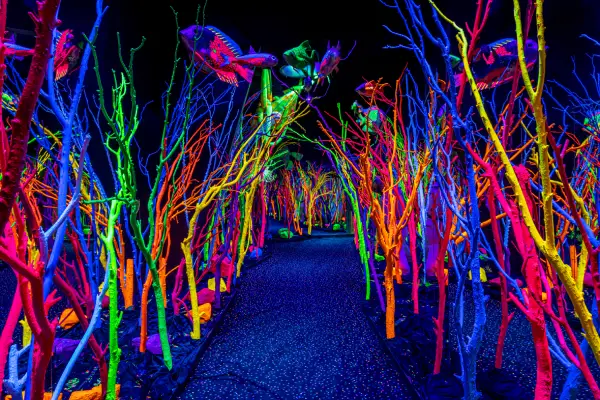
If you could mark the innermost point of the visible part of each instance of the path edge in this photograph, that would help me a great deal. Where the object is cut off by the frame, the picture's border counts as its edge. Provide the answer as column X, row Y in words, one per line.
column 208, row 338
column 415, row 393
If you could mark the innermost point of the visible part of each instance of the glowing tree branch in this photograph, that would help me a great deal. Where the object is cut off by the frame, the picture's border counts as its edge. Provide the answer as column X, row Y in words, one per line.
column 546, row 246
column 67, row 122
column 44, row 23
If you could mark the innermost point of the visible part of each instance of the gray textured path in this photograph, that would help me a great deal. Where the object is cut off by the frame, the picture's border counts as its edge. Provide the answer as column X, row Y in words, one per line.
column 296, row 331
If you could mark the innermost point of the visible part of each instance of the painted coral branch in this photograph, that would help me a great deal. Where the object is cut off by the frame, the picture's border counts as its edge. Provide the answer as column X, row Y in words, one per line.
column 45, row 21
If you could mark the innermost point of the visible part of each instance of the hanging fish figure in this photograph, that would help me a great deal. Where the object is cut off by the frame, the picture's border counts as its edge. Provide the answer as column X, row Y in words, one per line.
column 330, row 61
column 366, row 89
column 373, row 90
column 66, row 55
column 495, row 64
column 258, row 60
column 370, row 118
column 369, row 88
column 300, row 56
column 213, row 50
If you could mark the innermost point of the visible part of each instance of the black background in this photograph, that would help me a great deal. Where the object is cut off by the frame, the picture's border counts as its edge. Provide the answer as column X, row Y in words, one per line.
column 274, row 26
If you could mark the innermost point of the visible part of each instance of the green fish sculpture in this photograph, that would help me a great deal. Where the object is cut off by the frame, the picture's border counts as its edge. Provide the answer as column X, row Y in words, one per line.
column 369, row 118
column 301, row 56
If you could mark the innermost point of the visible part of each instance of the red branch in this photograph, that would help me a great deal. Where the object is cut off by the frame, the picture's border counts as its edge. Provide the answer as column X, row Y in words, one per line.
column 45, row 22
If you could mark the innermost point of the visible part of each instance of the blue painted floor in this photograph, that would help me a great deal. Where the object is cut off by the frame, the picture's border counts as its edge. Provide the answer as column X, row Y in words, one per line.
column 297, row 331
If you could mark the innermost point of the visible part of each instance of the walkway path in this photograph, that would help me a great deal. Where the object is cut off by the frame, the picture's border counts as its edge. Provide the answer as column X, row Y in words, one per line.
column 296, row 331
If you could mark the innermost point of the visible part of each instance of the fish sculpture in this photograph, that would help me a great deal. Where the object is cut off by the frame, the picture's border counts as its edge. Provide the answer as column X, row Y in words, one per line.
column 258, row 60
column 66, row 55
column 366, row 89
column 301, row 56
column 495, row 64
column 213, row 50
column 330, row 61
column 370, row 88
column 369, row 119
column 303, row 63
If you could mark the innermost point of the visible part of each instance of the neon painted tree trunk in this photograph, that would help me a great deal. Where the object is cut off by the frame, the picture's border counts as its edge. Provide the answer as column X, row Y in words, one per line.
column 535, row 316
column 191, row 277
column 263, row 215
column 45, row 21
column 441, row 277
column 113, row 294
column 247, row 222
column 412, row 237
column 83, row 320
column 30, row 285
column 506, row 317
column 389, row 236
column 123, row 134
column 531, row 270
column 3, row 137
column 547, row 245
column 8, row 329
column 432, row 237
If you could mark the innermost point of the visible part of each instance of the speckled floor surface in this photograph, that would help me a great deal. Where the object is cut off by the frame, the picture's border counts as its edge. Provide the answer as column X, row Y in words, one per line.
column 296, row 331
column 519, row 359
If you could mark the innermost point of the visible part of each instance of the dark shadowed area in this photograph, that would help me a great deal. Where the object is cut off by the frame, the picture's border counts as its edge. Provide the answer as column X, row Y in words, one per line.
column 275, row 26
